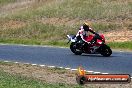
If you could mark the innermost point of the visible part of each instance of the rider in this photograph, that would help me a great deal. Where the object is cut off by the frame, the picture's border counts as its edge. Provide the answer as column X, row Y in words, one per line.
column 83, row 32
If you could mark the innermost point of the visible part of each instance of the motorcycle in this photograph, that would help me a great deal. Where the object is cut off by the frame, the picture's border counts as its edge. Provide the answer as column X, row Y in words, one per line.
column 78, row 46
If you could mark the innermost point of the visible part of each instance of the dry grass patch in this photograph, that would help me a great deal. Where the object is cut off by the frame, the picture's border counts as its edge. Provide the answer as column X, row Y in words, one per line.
column 12, row 24
column 118, row 36
column 50, row 75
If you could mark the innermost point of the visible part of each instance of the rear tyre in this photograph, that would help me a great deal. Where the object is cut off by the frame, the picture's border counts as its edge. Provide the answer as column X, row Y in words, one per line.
column 105, row 51
column 74, row 49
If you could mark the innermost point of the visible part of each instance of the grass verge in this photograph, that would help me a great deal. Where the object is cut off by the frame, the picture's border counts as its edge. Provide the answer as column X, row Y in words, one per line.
column 63, row 43
column 11, row 79
column 3, row 2
column 16, row 81
column 27, row 76
column 97, row 9
column 121, row 45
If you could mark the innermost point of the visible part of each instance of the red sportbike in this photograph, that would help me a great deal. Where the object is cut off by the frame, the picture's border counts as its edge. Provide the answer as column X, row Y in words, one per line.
column 97, row 46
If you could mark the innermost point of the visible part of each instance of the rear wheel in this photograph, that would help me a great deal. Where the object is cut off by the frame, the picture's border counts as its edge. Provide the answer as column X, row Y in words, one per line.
column 74, row 49
column 105, row 51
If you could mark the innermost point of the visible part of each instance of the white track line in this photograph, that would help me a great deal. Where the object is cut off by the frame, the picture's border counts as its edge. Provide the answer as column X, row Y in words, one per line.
column 67, row 68
column 105, row 73
column 90, row 71
column 74, row 69
column 34, row 64
column 97, row 72
column 59, row 67
column 6, row 61
column 27, row 63
column 51, row 66
column 16, row 62
column 33, row 45
column 41, row 65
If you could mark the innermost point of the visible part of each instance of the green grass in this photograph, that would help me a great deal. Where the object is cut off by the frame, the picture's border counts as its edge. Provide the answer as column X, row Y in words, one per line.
column 105, row 27
column 6, row 63
column 86, row 9
column 16, row 81
column 121, row 45
column 3, row 2
column 39, row 31
column 12, row 80
column 58, row 70
column 62, row 43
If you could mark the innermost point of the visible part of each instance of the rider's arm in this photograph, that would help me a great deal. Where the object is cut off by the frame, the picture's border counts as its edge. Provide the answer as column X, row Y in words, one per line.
column 92, row 31
column 82, row 38
column 80, row 33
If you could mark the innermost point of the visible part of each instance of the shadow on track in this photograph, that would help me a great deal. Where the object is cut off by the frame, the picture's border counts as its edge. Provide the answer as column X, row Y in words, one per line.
column 95, row 55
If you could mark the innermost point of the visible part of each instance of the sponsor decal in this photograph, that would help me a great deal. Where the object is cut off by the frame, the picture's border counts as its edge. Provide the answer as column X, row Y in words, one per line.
column 83, row 77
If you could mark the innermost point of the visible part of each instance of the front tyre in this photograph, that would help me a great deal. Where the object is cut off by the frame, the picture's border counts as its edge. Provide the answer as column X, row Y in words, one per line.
column 105, row 51
column 74, row 49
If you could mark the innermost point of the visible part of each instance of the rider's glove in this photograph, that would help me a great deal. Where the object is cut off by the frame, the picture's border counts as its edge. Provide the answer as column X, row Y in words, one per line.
column 97, row 34
column 89, row 42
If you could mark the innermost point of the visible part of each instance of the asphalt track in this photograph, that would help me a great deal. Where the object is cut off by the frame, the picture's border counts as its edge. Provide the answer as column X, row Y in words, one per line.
column 118, row 62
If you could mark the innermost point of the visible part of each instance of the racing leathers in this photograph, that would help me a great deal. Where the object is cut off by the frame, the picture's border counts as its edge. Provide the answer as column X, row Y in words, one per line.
column 82, row 33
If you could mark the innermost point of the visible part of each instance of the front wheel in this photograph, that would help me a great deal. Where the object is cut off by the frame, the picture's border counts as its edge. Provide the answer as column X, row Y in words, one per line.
column 105, row 51
column 74, row 49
